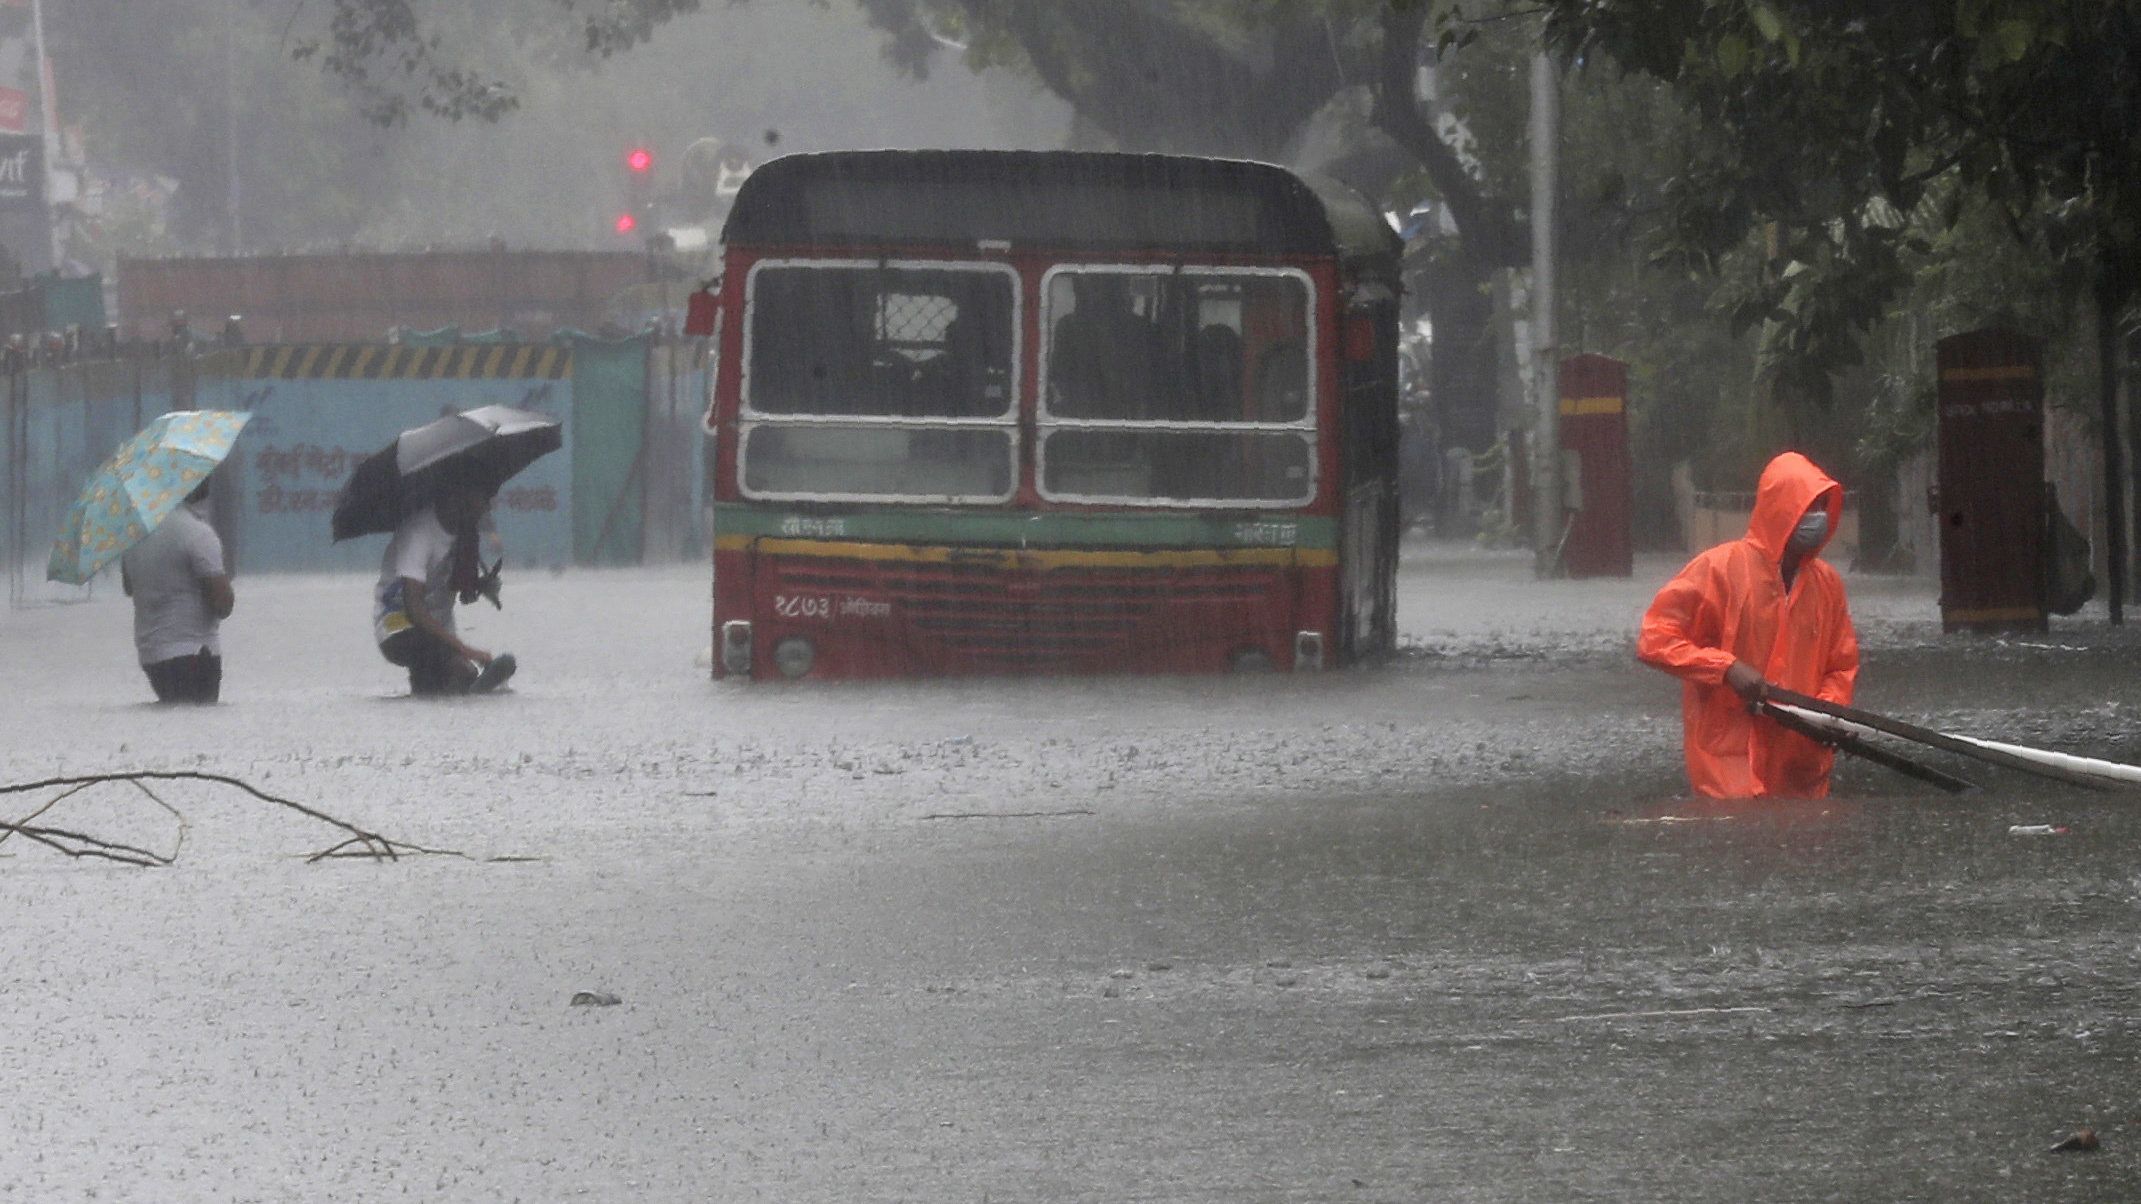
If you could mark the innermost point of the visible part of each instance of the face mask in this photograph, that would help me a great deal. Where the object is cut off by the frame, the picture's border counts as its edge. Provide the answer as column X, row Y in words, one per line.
column 1812, row 529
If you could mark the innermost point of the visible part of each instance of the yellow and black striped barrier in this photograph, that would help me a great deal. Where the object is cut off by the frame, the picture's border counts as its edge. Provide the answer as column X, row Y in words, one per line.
column 379, row 361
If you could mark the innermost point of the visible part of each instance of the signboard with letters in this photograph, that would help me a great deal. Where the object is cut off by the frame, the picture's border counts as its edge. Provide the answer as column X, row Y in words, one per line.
column 22, row 173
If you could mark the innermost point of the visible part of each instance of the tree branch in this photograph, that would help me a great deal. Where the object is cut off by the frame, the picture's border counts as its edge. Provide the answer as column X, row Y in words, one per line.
column 1490, row 233
column 1123, row 64
column 76, row 844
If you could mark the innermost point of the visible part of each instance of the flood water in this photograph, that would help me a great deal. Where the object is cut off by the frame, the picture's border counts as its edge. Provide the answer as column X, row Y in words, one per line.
column 1437, row 930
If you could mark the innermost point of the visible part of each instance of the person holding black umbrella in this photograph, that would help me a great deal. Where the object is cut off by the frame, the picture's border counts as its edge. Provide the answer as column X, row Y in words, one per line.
column 430, row 487
column 432, row 558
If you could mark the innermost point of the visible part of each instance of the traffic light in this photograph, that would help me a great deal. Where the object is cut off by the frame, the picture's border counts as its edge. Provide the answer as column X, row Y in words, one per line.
column 638, row 214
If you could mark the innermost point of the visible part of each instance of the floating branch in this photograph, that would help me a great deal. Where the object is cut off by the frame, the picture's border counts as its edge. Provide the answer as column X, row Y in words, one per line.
column 357, row 843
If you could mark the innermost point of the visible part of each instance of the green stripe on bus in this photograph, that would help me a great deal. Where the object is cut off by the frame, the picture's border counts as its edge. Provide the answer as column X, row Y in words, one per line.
column 1015, row 529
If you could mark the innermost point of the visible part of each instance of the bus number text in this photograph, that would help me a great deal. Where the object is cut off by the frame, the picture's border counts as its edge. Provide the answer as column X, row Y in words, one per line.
column 802, row 606
column 1270, row 535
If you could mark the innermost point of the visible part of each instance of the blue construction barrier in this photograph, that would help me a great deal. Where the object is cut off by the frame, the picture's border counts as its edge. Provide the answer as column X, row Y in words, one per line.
column 310, row 429
column 321, row 408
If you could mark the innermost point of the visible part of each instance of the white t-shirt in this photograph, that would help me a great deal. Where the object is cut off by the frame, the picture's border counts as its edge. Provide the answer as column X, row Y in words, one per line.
column 165, row 571
column 421, row 550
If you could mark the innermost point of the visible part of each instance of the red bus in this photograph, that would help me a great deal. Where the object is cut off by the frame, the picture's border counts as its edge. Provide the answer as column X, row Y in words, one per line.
column 1019, row 412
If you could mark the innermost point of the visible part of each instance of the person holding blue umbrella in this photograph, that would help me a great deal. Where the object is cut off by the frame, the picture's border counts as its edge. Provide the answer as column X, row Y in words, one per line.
column 145, row 504
column 180, row 584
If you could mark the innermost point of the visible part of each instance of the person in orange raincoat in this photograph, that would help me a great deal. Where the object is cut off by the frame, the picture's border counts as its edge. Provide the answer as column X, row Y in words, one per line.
column 1764, row 609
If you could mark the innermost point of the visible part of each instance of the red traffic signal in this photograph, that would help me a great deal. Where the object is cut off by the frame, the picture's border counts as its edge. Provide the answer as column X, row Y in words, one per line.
column 626, row 223
column 639, row 160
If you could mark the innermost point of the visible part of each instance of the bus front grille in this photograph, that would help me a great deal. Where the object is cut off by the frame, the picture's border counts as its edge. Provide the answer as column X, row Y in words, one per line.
column 1012, row 619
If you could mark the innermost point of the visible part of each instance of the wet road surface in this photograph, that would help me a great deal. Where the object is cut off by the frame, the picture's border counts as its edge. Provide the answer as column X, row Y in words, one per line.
column 1439, row 930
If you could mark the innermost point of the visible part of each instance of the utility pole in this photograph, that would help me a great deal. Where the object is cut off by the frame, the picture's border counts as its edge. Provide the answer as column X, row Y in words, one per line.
column 2107, row 382
column 48, row 129
column 233, row 195
column 1546, row 507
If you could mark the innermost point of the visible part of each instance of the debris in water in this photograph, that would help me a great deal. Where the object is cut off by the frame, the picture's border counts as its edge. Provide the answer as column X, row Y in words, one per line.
column 594, row 999
column 2037, row 830
column 2079, row 1139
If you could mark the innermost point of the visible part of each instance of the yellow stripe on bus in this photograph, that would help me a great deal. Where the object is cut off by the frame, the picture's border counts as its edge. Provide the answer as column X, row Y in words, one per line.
column 1044, row 558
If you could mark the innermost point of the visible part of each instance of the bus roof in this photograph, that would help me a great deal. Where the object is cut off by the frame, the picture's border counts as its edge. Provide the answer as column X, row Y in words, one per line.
column 1081, row 200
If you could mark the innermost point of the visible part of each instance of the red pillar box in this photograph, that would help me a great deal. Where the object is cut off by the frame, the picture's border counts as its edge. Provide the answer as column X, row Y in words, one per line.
column 1990, row 499
column 1598, row 483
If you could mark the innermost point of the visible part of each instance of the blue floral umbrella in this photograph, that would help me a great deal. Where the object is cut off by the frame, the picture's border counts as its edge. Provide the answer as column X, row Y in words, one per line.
column 139, row 487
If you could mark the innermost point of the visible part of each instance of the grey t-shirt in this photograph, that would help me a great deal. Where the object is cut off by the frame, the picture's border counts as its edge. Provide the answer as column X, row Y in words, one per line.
column 165, row 571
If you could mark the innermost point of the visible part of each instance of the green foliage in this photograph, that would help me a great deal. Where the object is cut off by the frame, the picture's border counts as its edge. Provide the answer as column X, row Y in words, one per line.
column 1824, row 122
column 303, row 163
column 1689, row 374
column 153, row 95
column 1813, row 172
column 403, row 58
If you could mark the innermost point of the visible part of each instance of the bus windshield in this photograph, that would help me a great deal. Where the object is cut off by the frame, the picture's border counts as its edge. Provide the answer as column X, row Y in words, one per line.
column 873, row 380
column 1186, row 387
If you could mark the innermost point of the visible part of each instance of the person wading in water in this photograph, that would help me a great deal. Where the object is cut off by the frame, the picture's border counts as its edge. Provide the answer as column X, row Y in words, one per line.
column 1760, row 610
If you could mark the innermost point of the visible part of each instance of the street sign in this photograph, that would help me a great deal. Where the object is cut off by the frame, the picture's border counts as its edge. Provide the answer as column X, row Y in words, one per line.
column 22, row 173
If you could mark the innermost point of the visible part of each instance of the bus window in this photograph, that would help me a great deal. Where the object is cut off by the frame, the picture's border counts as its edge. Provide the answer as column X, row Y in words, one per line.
column 831, row 462
column 1232, row 468
column 1104, row 345
column 1207, row 361
column 843, row 338
column 918, row 360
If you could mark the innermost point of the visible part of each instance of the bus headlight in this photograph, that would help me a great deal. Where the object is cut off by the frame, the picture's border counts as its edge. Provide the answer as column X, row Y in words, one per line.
column 1308, row 650
column 794, row 656
column 736, row 647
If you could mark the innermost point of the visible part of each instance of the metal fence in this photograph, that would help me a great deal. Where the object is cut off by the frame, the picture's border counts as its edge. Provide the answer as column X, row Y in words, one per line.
column 628, row 487
column 60, row 421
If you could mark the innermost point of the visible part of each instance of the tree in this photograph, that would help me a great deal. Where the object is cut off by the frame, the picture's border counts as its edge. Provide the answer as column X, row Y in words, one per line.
column 300, row 160
column 1325, row 85
column 1830, row 127
column 445, row 61
column 1328, row 84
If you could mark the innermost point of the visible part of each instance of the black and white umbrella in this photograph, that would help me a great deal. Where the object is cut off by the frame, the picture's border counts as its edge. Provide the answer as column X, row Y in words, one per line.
column 482, row 447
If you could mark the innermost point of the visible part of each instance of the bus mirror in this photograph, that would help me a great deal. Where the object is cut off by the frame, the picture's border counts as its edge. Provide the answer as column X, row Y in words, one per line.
column 701, row 313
